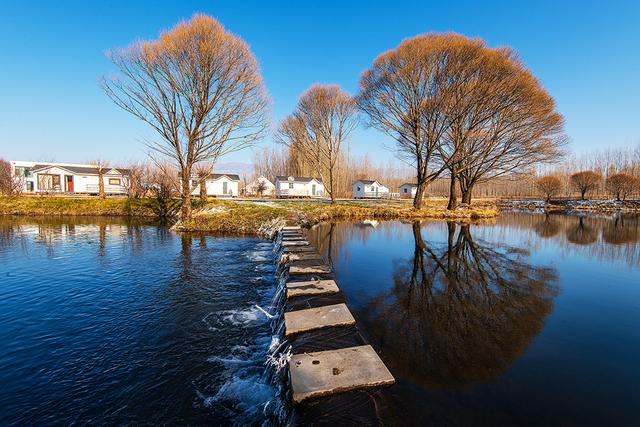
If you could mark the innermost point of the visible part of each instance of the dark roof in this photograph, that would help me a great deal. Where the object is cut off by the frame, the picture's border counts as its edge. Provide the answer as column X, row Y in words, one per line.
column 297, row 178
column 231, row 176
column 409, row 183
column 80, row 170
column 367, row 181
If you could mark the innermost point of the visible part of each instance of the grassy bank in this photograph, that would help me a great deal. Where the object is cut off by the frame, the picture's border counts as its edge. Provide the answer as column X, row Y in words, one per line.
column 246, row 217
column 58, row 206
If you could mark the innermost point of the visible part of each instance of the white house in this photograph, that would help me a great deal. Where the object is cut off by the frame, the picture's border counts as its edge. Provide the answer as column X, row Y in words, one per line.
column 298, row 186
column 68, row 178
column 408, row 190
column 260, row 183
column 368, row 189
column 219, row 184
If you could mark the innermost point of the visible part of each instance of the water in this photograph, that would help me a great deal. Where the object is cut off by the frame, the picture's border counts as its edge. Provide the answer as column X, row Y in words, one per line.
column 111, row 322
column 531, row 320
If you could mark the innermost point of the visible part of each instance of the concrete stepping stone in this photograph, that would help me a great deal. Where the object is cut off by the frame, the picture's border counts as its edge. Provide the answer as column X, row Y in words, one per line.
column 291, row 228
column 317, row 318
column 335, row 371
column 311, row 287
column 286, row 243
column 298, row 249
column 309, row 267
column 300, row 256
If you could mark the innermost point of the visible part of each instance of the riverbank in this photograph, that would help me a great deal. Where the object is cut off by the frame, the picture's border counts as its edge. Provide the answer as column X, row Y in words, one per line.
column 604, row 206
column 266, row 217
column 78, row 206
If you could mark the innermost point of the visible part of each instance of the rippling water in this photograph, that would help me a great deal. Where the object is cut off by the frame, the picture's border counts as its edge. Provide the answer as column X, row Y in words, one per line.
column 109, row 322
column 531, row 320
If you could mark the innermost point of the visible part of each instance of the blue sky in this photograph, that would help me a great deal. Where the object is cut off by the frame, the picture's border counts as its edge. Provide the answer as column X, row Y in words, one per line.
column 586, row 54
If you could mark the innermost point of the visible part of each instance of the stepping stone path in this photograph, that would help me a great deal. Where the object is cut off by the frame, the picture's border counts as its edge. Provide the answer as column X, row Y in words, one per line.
column 325, row 372
column 317, row 318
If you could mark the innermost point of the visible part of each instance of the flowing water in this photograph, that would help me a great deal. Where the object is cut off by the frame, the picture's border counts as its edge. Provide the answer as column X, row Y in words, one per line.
column 109, row 322
column 533, row 320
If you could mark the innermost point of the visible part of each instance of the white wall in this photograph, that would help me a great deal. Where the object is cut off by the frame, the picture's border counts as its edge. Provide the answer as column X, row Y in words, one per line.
column 410, row 191
column 215, row 187
column 368, row 188
column 300, row 189
column 251, row 189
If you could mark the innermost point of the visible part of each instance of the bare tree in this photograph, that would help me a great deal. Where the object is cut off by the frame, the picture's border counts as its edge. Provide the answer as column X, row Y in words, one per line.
column 585, row 182
column 261, row 186
column 550, row 186
column 102, row 166
column 136, row 181
column 621, row 185
column 10, row 183
column 404, row 95
column 199, row 87
column 318, row 128
column 203, row 172
column 164, row 187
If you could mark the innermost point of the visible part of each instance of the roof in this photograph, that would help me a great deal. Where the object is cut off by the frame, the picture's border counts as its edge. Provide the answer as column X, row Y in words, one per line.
column 409, row 184
column 79, row 170
column 231, row 176
column 368, row 181
column 297, row 179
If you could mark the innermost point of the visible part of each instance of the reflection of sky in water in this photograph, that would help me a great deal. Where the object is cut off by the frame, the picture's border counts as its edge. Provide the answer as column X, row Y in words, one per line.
column 572, row 360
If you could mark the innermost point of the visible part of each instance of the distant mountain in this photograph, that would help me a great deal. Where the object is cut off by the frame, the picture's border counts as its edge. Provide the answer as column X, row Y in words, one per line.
column 242, row 169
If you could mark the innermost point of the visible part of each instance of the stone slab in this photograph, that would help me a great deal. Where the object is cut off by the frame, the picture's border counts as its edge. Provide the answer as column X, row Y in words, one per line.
column 300, row 256
column 294, row 239
column 286, row 243
column 298, row 249
column 291, row 228
column 325, row 373
column 308, row 267
column 311, row 287
column 310, row 319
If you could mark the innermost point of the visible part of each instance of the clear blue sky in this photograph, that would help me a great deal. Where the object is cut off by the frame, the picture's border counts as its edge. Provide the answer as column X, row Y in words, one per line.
column 586, row 54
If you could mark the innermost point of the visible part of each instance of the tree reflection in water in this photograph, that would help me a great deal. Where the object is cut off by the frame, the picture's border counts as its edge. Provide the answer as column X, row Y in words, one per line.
column 460, row 312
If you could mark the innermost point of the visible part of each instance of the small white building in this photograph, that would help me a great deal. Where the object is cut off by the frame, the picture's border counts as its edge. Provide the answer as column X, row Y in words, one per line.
column 68, row 178
column 219, row 185
column 368, row 189
column 408, row 190
column 298, row 186
column 260, row 186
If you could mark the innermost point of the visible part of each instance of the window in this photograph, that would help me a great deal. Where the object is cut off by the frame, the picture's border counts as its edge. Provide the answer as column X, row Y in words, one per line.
column 194, row 183
column 114, row 181
column 358, row 189
column 22, row 171
column 48, row 182
column 405, row 189
column 291, row 186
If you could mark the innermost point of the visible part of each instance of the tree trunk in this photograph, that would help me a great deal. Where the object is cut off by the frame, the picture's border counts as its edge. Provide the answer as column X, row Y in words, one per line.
column 466, row 194
column 101, row 185
column 453, row 199
column 203, row 190
column 582, row 193
column 420, row 190
column 186, row 194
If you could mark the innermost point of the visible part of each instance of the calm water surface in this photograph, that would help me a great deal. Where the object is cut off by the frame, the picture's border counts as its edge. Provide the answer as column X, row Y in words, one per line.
column 108, row 322
column 533, row 320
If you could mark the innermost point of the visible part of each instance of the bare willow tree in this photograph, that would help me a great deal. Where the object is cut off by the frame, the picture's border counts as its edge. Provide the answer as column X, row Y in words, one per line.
column 10, row 183
column 102, row 167
column 586, row 182
column 550, row 186
column 318, row 128
column 404, row 95
column 621, row 185
column 502, row 122
column 199, row 87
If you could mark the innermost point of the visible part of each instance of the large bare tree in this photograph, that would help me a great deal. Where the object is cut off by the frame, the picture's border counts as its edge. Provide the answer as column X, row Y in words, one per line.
column 318, row 128
column 586, row 182
column 404, row 95
column 102, row 167
column 199, row 87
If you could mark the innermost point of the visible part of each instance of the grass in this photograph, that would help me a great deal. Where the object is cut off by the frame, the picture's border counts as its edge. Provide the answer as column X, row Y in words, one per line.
column 58, row 206
column 251, row 218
